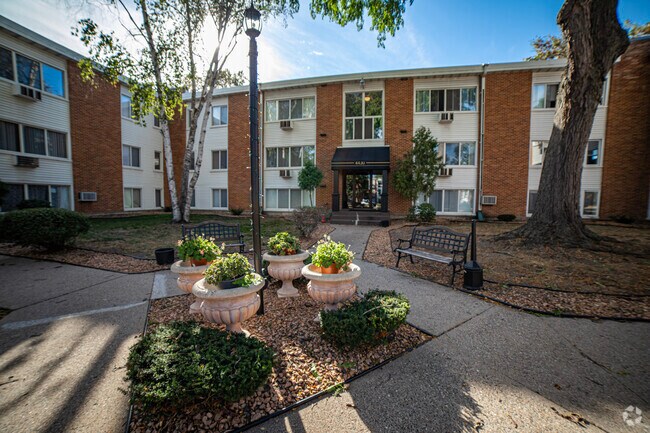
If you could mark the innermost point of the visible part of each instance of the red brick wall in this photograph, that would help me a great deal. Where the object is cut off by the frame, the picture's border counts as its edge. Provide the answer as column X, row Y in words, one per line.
column 626, row 153
column 96, row 136
column 507, row 136
column 329, row 136
column 239, row 177
column 398, row 117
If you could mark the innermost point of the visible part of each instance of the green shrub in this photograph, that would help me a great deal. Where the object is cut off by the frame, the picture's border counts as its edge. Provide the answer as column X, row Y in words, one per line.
column 506, row 217
column 284, row 244
column 198, row 248
column 33, row 204
column 370, row 320
column 329, row 252
column 306, row 219
column 236, row 211
column 183, row 363
column 426, row 212
column 49, row 228
column 230, row 267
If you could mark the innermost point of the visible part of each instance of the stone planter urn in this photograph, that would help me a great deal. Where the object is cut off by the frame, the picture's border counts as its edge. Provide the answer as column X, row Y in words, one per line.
column 228, row 307
column 286, row 269
column 188, row 275
column 331, row 289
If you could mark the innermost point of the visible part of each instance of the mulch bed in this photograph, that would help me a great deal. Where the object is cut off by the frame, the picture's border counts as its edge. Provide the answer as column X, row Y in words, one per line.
column 305, row 363
column 599, row 283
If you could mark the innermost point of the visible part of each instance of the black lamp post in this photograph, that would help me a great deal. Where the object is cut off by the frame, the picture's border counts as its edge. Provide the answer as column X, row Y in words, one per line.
column 253, row 27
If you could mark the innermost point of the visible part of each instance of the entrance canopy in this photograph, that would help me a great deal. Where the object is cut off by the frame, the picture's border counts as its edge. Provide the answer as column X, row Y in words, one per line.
column 361, row 158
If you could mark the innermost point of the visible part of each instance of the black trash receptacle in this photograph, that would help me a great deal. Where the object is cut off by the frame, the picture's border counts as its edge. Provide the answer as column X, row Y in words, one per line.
column 164, row 256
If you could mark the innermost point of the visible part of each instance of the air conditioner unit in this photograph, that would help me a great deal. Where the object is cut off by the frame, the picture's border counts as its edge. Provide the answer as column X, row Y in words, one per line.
column 26, row 161
column 286, row 125
column 27, row 92
column 446, row 118
column 446, row 172
column 87, row 196
column 489, row 200
column 285, row 174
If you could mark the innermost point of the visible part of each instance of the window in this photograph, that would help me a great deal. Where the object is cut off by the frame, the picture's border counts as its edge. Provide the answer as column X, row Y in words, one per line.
column 193, row 161
column 56, row 144
column 286, row 198
column 193, row 200
column 15, row 194
column 158, row 197
column 460, row 153
column 219, row 115
column 592, row 158
column 219, row 159
column 38, row 192
column 590, row 204
column 130, row 156
column 532, row 199
column 132, row 198
column 29, row 71
column 287, row 157
column 453, row 200
column 53, row 80
column 60, row 196
column 6, row 64
column 34, row 140
column 156, row 160
column 363, row 116
column 545, row 95
column 537, row 152
column 125, row 102
column 9, row 139
column 462, row 99
column 156, row 122
column 288, row 109
column 220, row 198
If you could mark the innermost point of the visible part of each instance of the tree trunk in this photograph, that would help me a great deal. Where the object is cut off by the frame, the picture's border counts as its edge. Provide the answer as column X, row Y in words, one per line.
column 595, row 39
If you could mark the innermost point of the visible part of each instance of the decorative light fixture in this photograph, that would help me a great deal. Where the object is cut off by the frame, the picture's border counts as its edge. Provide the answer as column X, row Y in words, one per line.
column 252, row 21
column 362, row 83
column 366, row 98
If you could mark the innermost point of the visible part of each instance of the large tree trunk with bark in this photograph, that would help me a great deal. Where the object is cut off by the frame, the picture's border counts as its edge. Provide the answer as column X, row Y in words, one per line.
column 595, row 39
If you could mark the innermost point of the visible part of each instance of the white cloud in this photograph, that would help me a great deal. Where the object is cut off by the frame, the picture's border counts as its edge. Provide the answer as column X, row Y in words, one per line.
column 316, row 53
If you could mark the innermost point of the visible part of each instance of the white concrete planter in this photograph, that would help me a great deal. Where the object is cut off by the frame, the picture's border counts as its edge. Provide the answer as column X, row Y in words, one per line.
column 188, row 275
column 286, row 269
column 331, row 289
column 228, row 307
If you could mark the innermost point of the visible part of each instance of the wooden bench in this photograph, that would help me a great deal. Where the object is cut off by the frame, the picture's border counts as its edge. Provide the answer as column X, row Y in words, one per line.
column 218, row 232
column 426, row 242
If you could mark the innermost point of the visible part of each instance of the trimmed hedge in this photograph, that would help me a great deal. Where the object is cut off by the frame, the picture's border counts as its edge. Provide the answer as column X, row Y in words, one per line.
column 33, row 204
column 370, row 320
column 44, row 227
column 182, row 363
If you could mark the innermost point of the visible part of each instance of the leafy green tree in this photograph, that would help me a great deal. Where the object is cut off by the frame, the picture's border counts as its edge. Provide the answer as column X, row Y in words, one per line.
column 309, row 178
column 417, row 171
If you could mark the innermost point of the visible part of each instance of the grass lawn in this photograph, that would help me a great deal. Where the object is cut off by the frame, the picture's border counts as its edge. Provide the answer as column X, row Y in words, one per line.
column 141, row 235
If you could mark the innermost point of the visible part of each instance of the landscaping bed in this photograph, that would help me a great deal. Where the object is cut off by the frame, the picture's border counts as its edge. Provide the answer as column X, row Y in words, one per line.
column 613, row 283
column 305, row 363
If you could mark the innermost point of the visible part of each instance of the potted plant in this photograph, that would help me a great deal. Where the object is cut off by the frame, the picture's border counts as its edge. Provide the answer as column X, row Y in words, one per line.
column 228, row 293
column 285, row 262
column 198, row 250
column 331, row 274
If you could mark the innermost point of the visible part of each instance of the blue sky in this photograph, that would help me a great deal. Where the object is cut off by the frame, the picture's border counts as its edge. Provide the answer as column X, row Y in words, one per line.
column 436, row 33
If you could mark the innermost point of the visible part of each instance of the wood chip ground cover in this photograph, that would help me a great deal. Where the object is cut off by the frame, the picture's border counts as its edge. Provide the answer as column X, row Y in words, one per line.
column 624, row 272
column 305, row 363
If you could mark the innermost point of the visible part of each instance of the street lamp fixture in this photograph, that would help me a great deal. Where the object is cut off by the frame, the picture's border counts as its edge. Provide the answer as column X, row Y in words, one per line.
column 252, row 21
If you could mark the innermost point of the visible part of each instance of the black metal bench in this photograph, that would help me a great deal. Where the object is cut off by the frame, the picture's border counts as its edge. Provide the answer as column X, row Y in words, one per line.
column 219, row 232
column 438, row 239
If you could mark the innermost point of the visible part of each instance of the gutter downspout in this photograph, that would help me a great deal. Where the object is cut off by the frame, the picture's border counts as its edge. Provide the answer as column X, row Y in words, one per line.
column 481, row 136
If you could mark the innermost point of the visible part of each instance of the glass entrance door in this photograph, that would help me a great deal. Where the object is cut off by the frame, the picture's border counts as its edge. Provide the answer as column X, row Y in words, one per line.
column 363, row 190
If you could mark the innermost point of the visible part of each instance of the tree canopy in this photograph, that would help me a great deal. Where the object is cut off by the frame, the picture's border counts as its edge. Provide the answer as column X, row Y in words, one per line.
column 417, row 171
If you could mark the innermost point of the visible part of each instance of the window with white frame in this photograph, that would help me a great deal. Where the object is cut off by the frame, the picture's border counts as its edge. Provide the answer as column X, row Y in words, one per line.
column 532, row 200
column 590, row 204
column 35, row 141
column 158, row 197
column 6, row 64
column 458, row 154
column 29, row 71
column 592, row 155
column 9, row 137
column 57, row 144
column 157, row 160
column 220, row 198
column 219, row 159
column 537, row 152
column 52, row 80
column 130, row 156
column 156, row 121
column 545, row 95
column 286, row 198
column 219, row 115
column 57, row 195
column 290, row 109
column 32, row 73
column 364, row 115
column 132, row 198
column 125, row 103
column 460, row 99
column 288, row 157
column 453, row 200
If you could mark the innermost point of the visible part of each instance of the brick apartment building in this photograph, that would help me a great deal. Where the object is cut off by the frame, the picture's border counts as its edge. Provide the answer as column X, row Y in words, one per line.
column 492, row 123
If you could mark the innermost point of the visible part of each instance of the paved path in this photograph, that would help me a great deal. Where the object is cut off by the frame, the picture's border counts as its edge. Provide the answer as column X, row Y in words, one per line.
column 490, row 369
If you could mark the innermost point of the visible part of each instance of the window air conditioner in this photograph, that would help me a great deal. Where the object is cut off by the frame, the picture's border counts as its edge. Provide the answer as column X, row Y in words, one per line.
column 27, row 92
column 446, row 172
column 87, row 196
column 446, row 118
column 286, row 174
column 489, row 200
column 26, row 161
column 286, row 125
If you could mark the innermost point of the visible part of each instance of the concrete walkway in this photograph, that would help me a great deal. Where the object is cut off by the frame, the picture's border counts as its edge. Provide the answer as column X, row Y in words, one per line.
column 490, row 369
